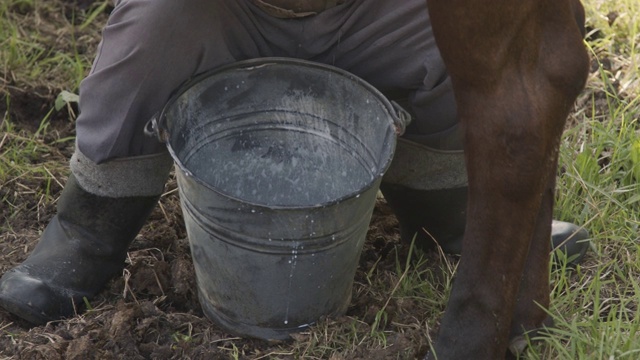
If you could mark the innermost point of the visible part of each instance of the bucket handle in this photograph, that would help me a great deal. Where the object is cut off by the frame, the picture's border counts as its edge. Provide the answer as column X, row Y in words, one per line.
column 401, row 118
column 151, row 129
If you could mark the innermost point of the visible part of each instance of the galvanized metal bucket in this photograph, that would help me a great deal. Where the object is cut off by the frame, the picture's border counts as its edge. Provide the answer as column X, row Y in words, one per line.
column 278, row 166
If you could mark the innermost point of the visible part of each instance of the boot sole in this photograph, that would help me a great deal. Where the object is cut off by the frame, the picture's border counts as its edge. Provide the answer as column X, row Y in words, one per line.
column 24, row 311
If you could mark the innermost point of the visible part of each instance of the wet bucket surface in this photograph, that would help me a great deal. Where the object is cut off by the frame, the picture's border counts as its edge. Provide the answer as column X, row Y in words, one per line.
column 278, row 165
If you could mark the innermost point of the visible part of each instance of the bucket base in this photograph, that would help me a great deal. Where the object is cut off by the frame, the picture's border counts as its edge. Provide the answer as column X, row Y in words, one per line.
column 258, row 332
column 246, row 330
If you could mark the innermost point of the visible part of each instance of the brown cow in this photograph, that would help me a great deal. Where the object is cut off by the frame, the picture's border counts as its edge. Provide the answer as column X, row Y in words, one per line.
column 517, row 67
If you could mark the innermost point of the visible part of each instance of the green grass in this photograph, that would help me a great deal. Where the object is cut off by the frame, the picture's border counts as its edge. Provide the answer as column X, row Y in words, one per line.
column 30, row 64
column 28, row 58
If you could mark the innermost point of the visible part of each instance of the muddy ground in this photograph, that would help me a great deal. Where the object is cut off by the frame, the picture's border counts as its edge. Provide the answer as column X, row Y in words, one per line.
column 152, row 310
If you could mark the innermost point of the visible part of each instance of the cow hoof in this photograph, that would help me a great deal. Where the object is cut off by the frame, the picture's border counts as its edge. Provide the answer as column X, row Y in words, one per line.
column 518, row 344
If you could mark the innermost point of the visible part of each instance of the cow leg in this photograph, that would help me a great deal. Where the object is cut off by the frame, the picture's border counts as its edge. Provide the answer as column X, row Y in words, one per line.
column 533, row 294
column 516, row 68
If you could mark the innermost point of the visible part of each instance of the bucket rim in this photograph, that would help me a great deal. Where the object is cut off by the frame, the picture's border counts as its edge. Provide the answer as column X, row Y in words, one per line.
column 265, row 61
column 398, row 119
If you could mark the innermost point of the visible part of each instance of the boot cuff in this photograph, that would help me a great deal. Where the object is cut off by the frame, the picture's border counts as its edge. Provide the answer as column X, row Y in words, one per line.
column 420, row 167
column 124, row 177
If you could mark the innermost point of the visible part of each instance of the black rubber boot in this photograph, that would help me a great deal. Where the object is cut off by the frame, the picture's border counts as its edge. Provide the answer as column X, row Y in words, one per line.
column 81, row 249
column 442, row 213
column 440, row 216
column 571, row 239
column 432, row 217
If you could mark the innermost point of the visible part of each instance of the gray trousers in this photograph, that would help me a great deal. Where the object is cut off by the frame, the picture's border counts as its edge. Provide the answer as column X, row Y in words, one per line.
column 150, row 47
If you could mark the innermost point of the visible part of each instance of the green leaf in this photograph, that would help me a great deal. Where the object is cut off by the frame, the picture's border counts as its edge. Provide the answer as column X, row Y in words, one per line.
column 64, row 98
